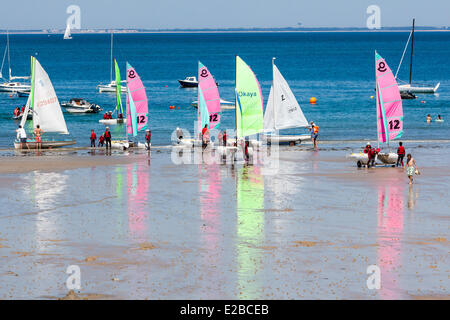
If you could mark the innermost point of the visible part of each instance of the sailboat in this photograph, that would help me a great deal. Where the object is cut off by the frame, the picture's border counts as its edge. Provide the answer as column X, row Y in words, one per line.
column 409, row 87
column 283, row 112
column 137, row 110
column 389, row 112
column 10, row 85
column 113, row 84
column 119, row 108
column 47, row 111
column 249, row 104
column 67, row 34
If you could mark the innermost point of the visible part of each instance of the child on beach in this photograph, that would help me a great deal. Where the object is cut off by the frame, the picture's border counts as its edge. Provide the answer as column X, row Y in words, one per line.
column 148, row 138
column 93, row 138
column 400, row 153
column 101, row 141
column 314, row 134
column 411, row 167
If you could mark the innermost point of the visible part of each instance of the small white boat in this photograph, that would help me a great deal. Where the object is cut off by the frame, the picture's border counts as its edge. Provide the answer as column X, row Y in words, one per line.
column 29, row 116
column 111, row 87
column 78, row 105
column 415, row 89
column 67, row 34
column 14, row 87
column 223, row 104
column 189, row 82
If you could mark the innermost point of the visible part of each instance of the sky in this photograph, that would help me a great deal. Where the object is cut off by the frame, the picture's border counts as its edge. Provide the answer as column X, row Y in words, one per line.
column 156, row 14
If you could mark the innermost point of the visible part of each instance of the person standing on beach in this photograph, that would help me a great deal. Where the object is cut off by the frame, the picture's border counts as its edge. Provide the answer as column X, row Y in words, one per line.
column 400, row 153
column 101, row 141
column 224, row 138
column 205, row 136
column 148, row 138
column 107, row 136
column 38, row 133
column 314, row 134
column 411, row 168
column 93, row 138
column 22, row 136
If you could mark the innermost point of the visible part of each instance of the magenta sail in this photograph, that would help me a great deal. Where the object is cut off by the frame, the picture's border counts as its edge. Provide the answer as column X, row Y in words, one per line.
column 208, row 86
column 389, row 103
column 139, row 97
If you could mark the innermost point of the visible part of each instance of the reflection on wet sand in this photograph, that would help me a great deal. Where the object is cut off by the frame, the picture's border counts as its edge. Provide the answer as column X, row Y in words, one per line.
column 250, row 232
column 137, row 190
column 390, row 232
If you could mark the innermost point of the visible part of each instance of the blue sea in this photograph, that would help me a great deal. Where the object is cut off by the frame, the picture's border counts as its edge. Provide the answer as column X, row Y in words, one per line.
column 336, row 68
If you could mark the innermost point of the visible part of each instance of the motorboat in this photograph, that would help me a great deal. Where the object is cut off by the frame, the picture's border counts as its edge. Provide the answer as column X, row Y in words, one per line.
column 190, row 82
column 111, row 87
column 14, row 87
column 78, row 105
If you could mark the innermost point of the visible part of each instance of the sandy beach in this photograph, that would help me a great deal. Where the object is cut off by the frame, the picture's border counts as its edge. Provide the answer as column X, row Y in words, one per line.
column 142, row 227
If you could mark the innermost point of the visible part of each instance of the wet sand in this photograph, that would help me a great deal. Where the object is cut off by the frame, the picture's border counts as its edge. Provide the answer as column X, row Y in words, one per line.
column 142, row 227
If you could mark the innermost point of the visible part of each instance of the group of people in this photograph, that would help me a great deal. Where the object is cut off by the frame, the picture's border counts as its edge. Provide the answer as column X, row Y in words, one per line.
column 206, row 137
column 108, row 115
column 105, row 139
column 438, row 119
column 18, row 111
column 22, row 137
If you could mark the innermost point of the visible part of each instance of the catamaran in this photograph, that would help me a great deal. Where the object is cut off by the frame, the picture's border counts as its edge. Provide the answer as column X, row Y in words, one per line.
column 389, row 112
column 409, row 87
column 67, row 34
column 113, row 84
column 119, row 108
column 137, row 110
column 47, row 112
column 249, row 103
column 10, row 85
column 283, row 112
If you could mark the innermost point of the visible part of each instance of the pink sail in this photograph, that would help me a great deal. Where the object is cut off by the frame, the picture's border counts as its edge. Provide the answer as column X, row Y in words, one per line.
column 137, row 91
column 208, row 86
column 389, row 103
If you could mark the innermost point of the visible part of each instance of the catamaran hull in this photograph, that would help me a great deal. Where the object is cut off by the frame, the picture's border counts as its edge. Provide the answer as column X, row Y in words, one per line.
column 286, row 139
column 385, row 158
column 45, row 144
column 413, row 89
column 112, row 121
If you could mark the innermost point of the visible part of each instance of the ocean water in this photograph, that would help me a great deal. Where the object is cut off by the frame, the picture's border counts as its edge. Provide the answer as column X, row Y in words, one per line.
column 336, row 68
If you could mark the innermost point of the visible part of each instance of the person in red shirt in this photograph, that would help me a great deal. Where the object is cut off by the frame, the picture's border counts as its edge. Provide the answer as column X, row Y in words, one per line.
column 107, row 136
column 205, row 136
column 101, row 141
column 401, row 154
column 225, row 138
column 93, row 138
column 109, row 116
column 105, row 116
column 148, row 138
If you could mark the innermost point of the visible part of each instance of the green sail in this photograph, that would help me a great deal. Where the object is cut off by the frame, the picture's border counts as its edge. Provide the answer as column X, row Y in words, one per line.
column 249, row 101
column 118, row 89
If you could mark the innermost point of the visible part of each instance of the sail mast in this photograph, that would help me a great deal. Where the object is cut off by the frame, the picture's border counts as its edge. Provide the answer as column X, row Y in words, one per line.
column 412, row 51
column 273, row 95
column 9, row 57
column 235, row 96
column 111, row 71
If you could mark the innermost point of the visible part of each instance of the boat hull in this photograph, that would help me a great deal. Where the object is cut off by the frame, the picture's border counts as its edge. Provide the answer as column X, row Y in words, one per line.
column 45, row 144
column 188, row 84
column 112, row 121
column 414, row 89
column 286, row 139
column 385, row 158
column 107, row 88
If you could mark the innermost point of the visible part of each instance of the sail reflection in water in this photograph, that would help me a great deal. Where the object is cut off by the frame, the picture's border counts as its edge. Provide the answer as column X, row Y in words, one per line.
column 390, row 230
column 250, row 232
column 137, row 185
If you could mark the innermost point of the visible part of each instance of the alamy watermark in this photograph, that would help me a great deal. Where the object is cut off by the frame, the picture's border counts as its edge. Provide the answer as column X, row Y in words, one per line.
column 74, row 18
column 73, row 282
column 374, row 18
column 374, row 279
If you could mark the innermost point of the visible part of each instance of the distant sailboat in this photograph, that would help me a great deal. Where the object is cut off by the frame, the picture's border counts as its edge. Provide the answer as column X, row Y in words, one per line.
column 47, row 111
column 67, row 34
column 389, row 112
column 283, row 111
column 10, row 85
column 112, row 85
column 409, row 87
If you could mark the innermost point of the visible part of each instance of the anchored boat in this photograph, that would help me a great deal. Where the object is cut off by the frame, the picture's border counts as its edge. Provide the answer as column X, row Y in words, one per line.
column 119, row 108
column 113, row 84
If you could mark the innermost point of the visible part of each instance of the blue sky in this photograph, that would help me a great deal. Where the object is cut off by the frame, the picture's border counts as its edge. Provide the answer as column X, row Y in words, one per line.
column 44, row 14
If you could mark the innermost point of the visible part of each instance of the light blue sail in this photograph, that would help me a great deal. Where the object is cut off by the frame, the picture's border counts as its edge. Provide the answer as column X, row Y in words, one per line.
column 204, row 113
column 133, row 114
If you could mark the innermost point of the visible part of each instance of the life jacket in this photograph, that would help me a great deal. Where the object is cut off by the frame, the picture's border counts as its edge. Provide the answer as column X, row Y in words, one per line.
column 105, row 116
column 316, row 129
column 107, row 134
column 401, row 150
column 93, row 136
column 148, row 136
column 101, row 139
column 224, row 139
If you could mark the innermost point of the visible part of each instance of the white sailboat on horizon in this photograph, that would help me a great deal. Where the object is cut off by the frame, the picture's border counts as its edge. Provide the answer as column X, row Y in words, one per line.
column 67, row 33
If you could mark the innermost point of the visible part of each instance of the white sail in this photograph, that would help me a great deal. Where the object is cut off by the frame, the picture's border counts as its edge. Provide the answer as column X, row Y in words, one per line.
column 67, row 34
column 282, row 110
column 25, row 112
column 47, row 112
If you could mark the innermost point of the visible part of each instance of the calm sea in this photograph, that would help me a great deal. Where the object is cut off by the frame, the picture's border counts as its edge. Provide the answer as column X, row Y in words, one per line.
column 337, row 68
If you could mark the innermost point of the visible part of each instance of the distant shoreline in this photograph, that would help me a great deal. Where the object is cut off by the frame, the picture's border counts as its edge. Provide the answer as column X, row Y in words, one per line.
column 237, row 30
